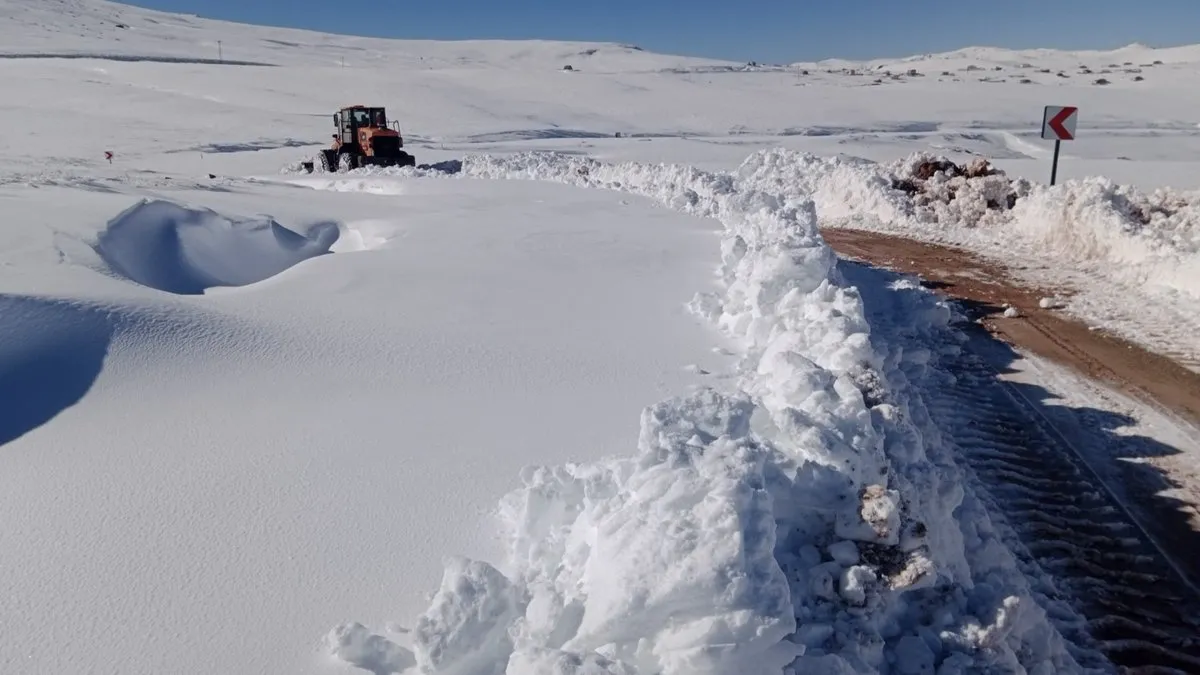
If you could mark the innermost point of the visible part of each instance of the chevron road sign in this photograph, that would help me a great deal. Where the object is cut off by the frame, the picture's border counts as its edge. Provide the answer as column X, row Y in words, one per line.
column 1058, row 124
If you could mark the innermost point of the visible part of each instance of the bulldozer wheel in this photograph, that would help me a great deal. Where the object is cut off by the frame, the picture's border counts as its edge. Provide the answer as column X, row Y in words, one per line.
column 329, row 161
column 346, row 162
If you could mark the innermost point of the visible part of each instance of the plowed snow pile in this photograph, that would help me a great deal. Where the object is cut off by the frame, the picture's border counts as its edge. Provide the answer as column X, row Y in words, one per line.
column 1137, row 238
column 1129, row 260
column 800, row 523
column 1098, row 226
column 1126, row 260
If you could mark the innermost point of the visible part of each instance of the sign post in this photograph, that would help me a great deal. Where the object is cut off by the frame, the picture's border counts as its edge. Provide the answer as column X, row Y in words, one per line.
column 1058, row 123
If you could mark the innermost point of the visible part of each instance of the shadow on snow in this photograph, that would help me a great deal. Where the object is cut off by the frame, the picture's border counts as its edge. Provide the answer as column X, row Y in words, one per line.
column 51, row 352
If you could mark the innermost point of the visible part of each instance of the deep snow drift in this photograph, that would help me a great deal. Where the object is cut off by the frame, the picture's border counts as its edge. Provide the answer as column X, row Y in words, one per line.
column 186, row 251
column 1126, row 260
column 269, row 425
column 270, row 459
column 804, row 515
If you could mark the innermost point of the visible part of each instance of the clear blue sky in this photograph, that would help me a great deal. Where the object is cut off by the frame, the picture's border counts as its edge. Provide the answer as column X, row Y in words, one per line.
column 766, row 30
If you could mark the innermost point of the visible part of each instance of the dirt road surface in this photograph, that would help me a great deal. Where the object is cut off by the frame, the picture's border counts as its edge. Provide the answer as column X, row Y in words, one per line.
column 1167, row 500
column 985, row 288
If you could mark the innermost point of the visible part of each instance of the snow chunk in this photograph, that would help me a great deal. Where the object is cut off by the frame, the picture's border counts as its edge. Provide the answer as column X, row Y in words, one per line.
column 355, row 644
column 855, row 581
column 878, row 519
column 465, row 629
column 1049, row 303
column 845, row 553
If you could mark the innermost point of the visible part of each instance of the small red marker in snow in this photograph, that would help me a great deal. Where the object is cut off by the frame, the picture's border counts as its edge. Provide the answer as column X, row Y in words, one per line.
column 1058, row 123
column 108, row 155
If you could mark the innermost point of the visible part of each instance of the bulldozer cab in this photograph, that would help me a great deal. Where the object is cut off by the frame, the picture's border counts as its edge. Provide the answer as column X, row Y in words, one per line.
column 350, row 119
column 364, row 137
column 357, row 117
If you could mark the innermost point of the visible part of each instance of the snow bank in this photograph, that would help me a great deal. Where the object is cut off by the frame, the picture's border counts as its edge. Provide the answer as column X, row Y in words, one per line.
column 1116, row 231
column 792, row 525
column 1096, row 225
column 1130, row 259
column 187, row 251
column 662, row 562
column 1145, row 238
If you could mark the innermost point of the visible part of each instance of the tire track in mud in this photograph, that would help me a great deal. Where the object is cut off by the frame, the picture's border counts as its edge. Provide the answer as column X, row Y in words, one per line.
column 1159, row 483
column 1140, row 612
column 1151, row 377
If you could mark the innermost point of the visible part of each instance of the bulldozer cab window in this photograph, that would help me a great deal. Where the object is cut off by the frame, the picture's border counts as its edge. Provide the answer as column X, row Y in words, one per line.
column 378, row 119
column 361, row 118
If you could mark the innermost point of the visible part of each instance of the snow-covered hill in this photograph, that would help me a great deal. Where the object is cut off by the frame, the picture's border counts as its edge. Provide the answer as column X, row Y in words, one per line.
column 116, row 30
column 247, row 413
column 1131, row 58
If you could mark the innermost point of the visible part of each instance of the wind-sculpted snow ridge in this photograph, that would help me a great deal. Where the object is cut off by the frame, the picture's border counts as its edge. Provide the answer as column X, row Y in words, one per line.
column 187, row 251
column 792, row 525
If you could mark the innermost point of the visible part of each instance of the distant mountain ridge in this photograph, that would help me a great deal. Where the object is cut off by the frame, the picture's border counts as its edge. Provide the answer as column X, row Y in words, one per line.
column 101, row 28
column 1134, row 55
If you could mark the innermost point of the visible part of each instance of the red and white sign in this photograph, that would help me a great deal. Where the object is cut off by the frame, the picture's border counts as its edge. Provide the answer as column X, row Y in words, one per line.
column 1058, row 122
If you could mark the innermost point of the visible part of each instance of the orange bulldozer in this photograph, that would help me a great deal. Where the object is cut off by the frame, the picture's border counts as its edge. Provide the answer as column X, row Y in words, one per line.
column 364, row 138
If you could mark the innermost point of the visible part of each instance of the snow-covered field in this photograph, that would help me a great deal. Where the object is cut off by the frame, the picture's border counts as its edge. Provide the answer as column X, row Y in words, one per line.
column 252, row 420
